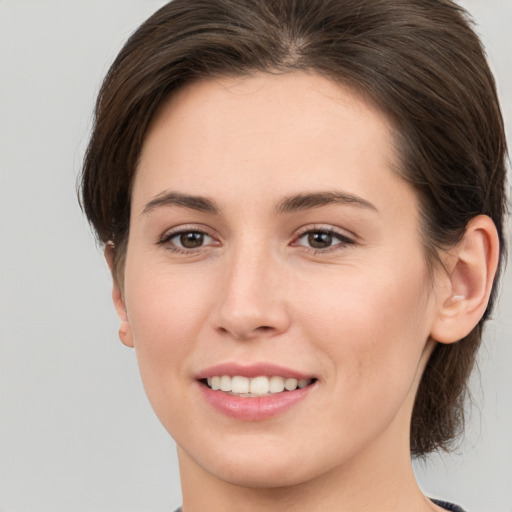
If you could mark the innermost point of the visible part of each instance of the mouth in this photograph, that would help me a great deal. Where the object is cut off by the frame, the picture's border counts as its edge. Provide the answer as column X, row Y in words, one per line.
column 256, row 391
column 259, row 386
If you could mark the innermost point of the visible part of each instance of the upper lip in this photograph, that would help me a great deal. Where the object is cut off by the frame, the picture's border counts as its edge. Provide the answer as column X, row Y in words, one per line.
column 251, row 370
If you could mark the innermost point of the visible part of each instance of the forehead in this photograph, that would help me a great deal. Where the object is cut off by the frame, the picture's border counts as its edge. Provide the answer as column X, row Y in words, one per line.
column 298, row 130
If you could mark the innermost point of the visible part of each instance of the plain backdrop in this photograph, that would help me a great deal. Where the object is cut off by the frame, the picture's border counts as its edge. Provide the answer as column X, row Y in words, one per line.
column 76, row 431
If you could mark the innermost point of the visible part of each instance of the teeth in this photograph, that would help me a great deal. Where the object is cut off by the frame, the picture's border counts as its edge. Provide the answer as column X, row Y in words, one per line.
column 290, row 384
column 303, row 383
column 276, row 384
column 240, row 384
column 225, row 383
column 215, row 383
column 257, row 386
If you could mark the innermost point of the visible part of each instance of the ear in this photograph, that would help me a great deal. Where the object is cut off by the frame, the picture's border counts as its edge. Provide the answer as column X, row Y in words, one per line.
column 125, row 333
column 467, row 282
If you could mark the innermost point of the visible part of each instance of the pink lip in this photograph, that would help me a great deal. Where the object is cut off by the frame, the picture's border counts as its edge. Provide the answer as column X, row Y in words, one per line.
column 256, row 408
column 251, row 371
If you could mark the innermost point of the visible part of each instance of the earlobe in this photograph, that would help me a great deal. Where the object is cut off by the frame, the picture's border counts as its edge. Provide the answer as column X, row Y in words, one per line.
column 125, row 333
column 470, row 276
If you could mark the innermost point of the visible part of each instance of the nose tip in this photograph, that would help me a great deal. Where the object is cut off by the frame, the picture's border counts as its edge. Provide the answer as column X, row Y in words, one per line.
column 252, row 302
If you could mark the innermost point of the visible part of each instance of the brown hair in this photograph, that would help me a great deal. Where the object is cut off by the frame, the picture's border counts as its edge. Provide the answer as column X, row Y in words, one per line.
column 418, row 60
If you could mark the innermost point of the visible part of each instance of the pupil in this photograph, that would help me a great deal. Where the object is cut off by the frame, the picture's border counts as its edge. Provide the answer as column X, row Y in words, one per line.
column 191, row 240
column 320, row 240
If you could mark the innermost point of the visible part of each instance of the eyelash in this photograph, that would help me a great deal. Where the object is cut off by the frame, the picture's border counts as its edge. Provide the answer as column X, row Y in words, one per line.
column 167, row 237
column 343, row 240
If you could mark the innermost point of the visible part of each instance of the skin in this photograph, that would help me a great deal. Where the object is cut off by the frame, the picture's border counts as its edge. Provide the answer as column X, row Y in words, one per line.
column 358, row 314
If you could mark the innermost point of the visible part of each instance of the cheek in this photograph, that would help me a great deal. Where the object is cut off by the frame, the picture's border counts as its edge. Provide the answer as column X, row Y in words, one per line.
column 166, row 313
column 373, row 325
column 165, row 302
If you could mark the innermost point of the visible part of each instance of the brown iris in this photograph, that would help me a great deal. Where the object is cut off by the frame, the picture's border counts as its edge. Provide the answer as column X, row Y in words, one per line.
column 319, row 240
column 191, row 239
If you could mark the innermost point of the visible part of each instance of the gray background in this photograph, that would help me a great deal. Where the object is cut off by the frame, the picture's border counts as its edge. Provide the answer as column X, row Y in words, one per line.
column 76, row 432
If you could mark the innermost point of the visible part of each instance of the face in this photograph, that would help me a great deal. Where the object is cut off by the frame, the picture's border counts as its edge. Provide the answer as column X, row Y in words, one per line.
column 271, row 244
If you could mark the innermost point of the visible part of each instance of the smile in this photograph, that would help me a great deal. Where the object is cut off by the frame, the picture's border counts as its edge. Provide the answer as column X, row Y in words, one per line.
column 257, row 386
column 254, row 392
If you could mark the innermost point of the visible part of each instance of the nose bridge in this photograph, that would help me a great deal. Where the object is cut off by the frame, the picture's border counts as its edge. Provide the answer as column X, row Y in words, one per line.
column 251, row 300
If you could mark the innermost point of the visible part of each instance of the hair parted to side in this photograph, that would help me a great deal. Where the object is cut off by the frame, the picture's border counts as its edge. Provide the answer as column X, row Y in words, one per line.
column 417, row 60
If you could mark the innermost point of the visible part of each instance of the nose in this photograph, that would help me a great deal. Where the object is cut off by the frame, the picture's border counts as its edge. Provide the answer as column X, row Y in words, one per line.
column 252, row 296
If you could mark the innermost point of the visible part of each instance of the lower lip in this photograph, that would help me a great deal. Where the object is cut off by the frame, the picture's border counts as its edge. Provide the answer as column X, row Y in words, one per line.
column 257, row 408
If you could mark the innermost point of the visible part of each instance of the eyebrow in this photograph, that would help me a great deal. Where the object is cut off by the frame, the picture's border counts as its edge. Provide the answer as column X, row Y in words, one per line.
column 297, row 202
column 198, row 203
column 302, row 202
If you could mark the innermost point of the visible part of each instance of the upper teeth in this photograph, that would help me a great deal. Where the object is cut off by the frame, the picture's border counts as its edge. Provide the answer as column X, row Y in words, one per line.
column 256, row 386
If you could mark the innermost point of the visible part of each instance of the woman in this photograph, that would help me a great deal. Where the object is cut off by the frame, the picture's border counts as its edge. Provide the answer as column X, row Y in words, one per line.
column 301, row 203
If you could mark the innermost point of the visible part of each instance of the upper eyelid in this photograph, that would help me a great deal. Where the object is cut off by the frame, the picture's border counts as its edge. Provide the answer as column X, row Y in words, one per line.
column 174, row 234
column 184, row 228
column 327, row 229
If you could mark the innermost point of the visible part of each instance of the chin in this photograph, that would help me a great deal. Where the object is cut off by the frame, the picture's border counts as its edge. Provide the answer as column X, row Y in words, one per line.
column 259, row 474
column 258, row 466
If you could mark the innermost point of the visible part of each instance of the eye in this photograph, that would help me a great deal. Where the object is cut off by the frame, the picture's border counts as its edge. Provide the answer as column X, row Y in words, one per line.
column 187, row 240
column 322, row 239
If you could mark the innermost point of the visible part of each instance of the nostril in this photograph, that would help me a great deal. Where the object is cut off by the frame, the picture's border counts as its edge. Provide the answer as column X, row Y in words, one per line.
column 242, row 334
